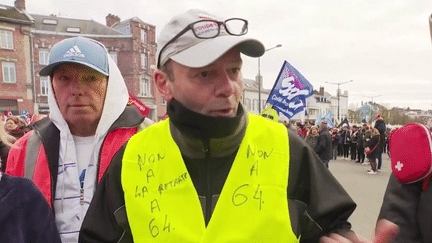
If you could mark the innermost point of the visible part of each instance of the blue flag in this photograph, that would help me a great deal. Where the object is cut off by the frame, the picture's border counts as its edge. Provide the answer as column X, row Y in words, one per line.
column 366, row 112
column 289, row 92
column 328, row 118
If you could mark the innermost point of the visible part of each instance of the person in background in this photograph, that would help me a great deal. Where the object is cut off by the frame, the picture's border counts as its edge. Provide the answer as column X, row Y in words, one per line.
column 5, row 144
column 346, row 140
column 372, row 150
column 68, row 152
column 15, row 127
column 340, row 143
column 366, row 139
column 335, row 141
column 354, row 140
column 324, row 144
column 409, row 204
column 360, row 144
column 312, row 137
column 380, row 125
column 302, row 131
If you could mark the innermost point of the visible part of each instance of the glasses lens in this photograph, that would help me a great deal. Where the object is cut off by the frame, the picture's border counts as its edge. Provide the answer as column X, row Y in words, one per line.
column 206, row 29
column 236, row 26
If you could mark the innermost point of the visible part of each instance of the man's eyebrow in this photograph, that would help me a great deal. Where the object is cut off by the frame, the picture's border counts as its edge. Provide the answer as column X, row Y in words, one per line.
column 237, row 63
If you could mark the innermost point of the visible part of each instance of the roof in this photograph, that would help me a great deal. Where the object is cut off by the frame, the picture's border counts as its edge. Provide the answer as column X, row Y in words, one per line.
column 45, row 23
column 124, row 26
column 251, row 85
column 12, row 14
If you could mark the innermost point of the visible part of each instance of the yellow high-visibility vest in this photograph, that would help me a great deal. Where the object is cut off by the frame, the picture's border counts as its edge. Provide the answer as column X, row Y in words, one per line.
column 162, row 204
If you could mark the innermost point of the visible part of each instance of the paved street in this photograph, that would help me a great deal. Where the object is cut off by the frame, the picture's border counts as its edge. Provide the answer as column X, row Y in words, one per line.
column 366, row 190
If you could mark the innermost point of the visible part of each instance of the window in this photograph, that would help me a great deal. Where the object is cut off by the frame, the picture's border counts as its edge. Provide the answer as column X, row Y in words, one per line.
column 113, row 55
column 144, row 87
column 43, row 56
column 44, row 85
column 50, row 21
column 6, row 39
column 73, row 29
column 253, row 104
column 9, row 75
column 143, row 61
column 248, row 104
column 143, row 35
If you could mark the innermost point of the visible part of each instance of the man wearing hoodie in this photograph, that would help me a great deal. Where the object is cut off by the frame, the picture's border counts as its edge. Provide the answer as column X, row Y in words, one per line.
column 67, row 154
column 212, row 172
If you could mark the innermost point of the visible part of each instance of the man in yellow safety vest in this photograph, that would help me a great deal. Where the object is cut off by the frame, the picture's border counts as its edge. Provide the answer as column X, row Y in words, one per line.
column 212, row 172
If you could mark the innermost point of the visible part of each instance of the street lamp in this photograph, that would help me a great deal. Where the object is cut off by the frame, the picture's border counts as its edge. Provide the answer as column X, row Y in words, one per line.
column 372, row 97
column 338, row 93
column 259, row 77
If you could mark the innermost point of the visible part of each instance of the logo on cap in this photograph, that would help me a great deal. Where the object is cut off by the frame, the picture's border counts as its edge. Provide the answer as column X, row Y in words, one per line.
column 74, row 52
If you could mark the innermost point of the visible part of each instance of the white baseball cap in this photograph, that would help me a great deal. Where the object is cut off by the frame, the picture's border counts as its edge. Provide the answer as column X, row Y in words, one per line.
column 194, row 52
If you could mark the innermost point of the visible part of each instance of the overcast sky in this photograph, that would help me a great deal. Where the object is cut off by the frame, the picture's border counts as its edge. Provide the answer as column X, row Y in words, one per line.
column 384, row 46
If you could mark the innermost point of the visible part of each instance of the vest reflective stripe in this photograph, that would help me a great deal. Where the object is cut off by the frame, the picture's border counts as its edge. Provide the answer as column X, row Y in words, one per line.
column 33, row 147
column 162, row 204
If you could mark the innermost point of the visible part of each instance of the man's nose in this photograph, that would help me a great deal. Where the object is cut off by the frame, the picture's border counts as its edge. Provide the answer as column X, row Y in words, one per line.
column 225, row 85
column 76, row 86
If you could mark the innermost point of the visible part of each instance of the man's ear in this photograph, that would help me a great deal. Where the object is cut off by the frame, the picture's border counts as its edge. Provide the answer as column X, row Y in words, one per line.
column 163, row 84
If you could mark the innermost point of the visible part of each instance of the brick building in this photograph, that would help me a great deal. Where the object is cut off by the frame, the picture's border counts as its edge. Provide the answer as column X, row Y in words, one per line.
column 16, row 84
column 131, row 43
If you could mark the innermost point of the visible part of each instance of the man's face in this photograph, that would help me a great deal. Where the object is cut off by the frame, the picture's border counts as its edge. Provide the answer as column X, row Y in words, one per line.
column 80, row 94
column 213, row 90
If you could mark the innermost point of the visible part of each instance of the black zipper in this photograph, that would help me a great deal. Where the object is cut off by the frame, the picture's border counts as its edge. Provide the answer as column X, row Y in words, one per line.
column 208, row 193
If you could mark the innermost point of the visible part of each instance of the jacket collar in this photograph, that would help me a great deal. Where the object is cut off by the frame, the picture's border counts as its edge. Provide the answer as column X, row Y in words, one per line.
column 198, row 134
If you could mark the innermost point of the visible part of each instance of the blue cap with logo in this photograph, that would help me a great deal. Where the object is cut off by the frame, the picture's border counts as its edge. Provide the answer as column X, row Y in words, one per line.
column 78, row 50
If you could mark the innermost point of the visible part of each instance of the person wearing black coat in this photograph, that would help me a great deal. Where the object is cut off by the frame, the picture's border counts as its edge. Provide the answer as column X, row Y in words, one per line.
column 380, row 125
column 373, row 151
column 324, row 144
column 25, row 215
column 335, row 143
column 360, row 145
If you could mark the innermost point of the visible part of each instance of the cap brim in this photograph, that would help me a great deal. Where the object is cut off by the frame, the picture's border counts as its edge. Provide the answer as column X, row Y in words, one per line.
column 208, row 51
column 48, row 70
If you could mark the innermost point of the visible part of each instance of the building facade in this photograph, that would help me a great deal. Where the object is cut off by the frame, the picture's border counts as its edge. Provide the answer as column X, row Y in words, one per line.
column 131, row 43
column 250, row 99
column 16, row 84
column 26, row 40
column 321, row 102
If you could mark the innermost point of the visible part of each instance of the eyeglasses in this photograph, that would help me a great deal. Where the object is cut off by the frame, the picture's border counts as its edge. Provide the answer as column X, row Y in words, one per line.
column 208, row 29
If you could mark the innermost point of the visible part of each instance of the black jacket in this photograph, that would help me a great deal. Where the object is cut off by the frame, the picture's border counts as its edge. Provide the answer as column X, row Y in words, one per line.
column 317, row 202
column 380, row 125
column 410, row 208
column 4, row 151
column 25, row 216
column 324, row 145
column 373, row 145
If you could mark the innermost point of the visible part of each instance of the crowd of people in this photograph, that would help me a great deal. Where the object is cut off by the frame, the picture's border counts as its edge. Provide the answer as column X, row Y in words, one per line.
column 13, row 128
column 210, row 172
column 363, row 144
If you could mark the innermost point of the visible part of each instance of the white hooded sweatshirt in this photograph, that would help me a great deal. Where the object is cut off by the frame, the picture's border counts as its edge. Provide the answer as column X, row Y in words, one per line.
column 71, row 203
